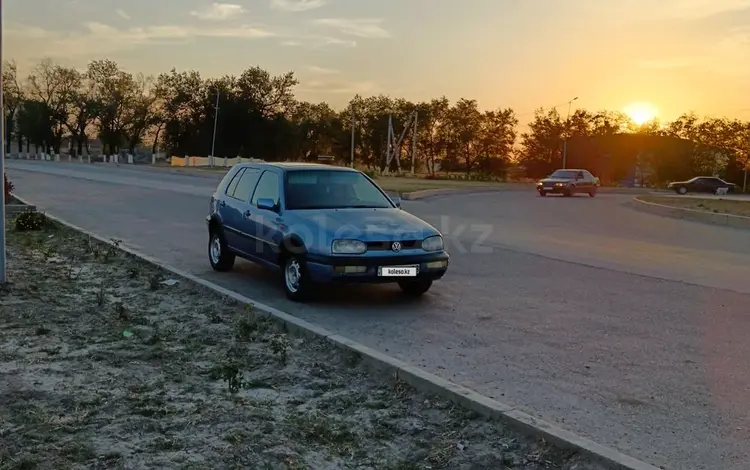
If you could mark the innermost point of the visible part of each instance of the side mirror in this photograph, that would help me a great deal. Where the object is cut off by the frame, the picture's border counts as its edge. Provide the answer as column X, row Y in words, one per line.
column 266, row 204
column 396, row 200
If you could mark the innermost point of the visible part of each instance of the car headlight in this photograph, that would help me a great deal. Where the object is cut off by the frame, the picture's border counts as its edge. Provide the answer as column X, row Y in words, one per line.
column 433, row 243
column 348, row 247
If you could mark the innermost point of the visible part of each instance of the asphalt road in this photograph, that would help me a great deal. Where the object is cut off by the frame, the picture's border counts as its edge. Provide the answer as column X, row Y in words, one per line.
column 625, row 327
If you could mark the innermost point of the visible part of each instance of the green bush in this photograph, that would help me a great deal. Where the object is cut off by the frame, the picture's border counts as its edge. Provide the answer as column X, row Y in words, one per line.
column 371, row 174
column 30, row 220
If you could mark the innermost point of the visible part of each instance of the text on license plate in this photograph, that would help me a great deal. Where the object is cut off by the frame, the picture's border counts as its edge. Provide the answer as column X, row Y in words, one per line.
column 398, row 271
column 548, row 187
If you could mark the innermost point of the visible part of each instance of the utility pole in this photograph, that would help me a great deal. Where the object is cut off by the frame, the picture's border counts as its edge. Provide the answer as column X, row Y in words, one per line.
column 388, row 145
column 213, row 140
column 414, row 142
column 351, row 164
column 565, row 142
column 3, row 273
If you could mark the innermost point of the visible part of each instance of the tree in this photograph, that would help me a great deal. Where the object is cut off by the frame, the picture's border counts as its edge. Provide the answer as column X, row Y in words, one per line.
column 540, row 151
column 84, row 109
column 12, row 100
column 259, row 116
column 495, row 141
column 54, row 87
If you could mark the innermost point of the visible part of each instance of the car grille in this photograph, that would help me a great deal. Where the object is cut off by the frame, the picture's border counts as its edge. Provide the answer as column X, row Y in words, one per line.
column 386, row 246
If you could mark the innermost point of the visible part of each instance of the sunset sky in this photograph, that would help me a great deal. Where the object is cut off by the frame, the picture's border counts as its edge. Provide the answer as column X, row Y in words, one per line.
column 670, row 55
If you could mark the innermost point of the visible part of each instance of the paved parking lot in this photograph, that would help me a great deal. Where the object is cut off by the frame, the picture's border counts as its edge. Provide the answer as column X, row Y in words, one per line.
column 626, row 327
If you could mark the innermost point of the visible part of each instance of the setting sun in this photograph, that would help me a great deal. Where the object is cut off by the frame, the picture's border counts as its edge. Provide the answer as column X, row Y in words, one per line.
column 641, row 112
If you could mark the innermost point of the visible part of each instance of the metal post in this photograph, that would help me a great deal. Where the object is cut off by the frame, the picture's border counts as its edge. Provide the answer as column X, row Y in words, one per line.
column 213, row 140
column 3, row 273
column 565, row 142
column 351, row 164
column 414, row 142
column 388, row 145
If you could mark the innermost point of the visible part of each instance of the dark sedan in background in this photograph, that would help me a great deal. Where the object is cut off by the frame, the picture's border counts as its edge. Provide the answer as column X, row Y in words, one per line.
column 701, row 184
column 568, row 183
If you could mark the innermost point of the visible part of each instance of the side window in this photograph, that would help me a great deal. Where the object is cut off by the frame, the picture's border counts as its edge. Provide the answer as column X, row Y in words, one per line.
column 246, row 185
column 268, row 188
column 232, row 186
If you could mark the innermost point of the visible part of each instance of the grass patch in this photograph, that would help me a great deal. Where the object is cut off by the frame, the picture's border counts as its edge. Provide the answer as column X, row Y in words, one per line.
column 103, row 365
column 715, row 204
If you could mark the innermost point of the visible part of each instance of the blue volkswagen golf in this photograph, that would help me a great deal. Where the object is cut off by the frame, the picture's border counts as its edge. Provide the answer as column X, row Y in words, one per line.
column 320, row 224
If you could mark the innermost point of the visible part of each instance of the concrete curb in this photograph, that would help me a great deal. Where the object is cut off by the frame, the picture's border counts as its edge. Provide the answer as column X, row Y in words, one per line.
column 14, row 209
column 712, row 218
column 412, row 375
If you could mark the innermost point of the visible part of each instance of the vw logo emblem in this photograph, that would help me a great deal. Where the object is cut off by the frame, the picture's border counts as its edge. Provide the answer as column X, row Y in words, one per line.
column 396, row 246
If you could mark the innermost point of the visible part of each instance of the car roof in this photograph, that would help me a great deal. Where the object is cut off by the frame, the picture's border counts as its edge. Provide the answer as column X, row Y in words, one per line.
column 295, row 166
column 570, row 169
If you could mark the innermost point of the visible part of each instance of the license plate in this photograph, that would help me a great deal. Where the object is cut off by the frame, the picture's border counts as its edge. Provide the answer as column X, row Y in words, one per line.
column 398, row 271
column 549, row 188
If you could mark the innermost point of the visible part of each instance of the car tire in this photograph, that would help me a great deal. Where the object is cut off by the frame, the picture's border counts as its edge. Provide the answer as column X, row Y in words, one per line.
column 219, row 256
column 542, row 193
column 682, row 190
column 415, row 288
column 568, row 192
column 592, row 193
column 296, row 283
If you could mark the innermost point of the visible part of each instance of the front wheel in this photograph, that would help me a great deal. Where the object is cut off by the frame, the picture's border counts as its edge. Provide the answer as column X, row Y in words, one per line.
column 415, row 288
column 219, row 256
column 592, row 193
column 296, row 281
column 542, row 193
column 682, row 190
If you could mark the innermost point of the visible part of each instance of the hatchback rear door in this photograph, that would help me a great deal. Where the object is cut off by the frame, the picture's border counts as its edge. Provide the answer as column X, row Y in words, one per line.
column 237, row 202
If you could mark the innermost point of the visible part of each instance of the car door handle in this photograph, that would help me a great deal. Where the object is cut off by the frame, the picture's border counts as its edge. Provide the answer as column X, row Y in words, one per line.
column 248, row 214
column 223, row 203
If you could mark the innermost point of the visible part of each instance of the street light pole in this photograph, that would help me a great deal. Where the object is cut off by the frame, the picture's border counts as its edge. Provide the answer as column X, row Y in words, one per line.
column 351, row 163
column 565, row 142
column 213, row 139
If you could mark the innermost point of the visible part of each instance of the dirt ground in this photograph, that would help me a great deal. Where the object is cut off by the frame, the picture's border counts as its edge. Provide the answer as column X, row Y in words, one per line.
column 716, row 204
column 107, row 362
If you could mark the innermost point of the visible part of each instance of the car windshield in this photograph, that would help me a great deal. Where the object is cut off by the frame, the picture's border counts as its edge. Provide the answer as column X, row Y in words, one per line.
column 332, row 189
column 565, row 174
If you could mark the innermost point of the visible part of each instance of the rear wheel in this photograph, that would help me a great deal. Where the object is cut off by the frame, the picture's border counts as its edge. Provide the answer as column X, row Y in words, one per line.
column 415, row 288
column 682, row 190
column 296, row 281
column 218, row 253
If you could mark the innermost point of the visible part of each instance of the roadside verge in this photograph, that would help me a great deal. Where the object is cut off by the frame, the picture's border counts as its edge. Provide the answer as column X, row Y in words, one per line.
column 414, row 376
column 706, row 217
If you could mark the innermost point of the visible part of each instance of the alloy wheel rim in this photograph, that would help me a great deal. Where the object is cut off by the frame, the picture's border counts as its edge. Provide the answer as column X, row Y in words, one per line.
column 215, row 250
column 292, row 275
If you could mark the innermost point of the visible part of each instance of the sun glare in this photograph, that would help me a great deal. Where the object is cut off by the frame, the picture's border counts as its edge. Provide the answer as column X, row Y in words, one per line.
column 641, row 112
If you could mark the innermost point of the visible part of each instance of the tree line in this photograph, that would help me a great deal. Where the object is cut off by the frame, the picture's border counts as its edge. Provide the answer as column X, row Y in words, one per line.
column 259, row 117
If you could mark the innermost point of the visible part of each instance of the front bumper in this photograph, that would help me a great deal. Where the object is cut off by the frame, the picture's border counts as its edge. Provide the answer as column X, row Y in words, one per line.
column 552, row 189
column 326, row 269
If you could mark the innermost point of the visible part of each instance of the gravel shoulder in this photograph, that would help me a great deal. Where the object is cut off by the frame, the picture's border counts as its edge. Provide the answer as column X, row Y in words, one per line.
column 106, row 362
column 716, row 205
